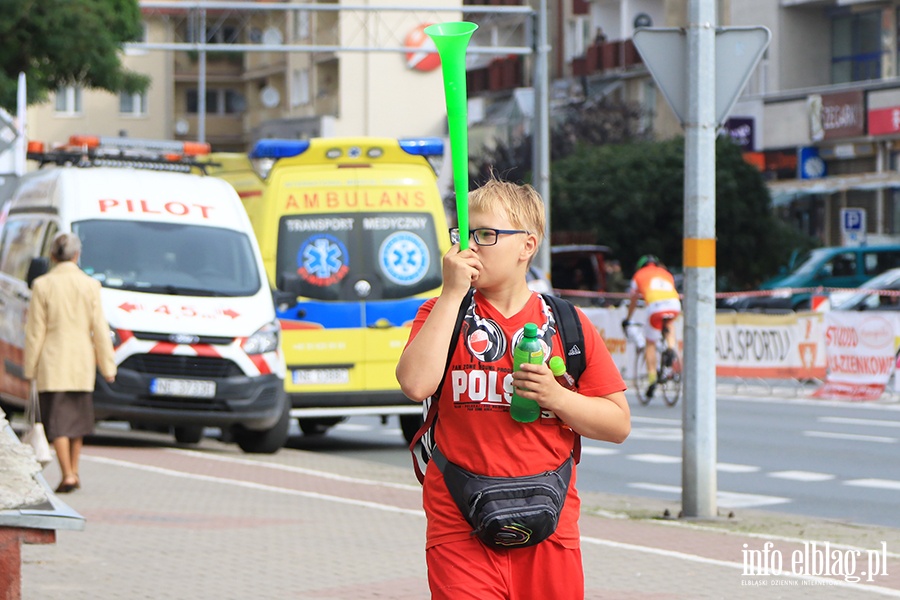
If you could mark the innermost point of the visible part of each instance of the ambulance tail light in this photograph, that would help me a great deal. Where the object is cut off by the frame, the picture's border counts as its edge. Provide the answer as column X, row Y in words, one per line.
column 266, row 339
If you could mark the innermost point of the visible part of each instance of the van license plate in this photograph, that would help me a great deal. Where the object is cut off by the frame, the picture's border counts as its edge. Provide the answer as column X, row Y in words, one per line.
column 191, row 388
column 320, row 376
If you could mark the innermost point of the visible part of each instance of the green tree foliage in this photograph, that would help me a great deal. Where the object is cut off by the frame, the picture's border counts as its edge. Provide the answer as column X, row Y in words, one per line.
column 66, row 42
column 631, row 198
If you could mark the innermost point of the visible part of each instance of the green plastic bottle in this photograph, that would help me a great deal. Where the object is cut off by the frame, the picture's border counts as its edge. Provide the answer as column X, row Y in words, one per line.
column 528, row 350
column 558, row 368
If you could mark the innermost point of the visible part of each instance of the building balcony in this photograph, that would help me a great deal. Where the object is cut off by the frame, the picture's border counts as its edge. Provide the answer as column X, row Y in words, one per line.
column 226, row 65
column 606, row 56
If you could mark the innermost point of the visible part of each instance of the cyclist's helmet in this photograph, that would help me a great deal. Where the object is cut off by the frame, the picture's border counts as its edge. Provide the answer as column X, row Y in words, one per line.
column 646, row 260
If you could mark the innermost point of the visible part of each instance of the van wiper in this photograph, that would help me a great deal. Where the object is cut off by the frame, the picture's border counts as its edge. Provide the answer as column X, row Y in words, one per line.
column 172, row 290
column 179, row 290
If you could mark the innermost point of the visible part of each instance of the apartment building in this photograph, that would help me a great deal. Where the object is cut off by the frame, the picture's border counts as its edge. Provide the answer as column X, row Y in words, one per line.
column 335, row 80
column 824, row 112
column 820, row 116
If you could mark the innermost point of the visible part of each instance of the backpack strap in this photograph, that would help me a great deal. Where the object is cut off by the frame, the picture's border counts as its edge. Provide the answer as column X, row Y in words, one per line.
column 568, row 324
column 571, row 338
column 431, row 407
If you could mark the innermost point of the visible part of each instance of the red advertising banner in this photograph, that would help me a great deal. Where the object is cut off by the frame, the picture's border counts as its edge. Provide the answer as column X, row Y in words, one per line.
column 884, row 121
column 860, row 350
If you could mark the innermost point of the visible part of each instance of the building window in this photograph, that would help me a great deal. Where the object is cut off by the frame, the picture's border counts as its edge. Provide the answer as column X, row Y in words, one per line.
column 300, row 87
column 301, row 24
column 68, row 100
column 856, row 47
column 218, row 102
column 145, row 33
column 133, row 105
column 578, row 38
column 215, row 34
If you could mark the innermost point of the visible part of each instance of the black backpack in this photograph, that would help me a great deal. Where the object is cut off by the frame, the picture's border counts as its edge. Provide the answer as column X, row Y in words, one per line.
column 568, row 326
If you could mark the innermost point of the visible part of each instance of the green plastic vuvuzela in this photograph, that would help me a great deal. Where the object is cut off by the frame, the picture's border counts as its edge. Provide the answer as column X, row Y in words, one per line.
column 451, row 40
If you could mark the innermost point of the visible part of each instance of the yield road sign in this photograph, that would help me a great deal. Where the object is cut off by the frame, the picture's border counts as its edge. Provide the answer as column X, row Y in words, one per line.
column 664, row 51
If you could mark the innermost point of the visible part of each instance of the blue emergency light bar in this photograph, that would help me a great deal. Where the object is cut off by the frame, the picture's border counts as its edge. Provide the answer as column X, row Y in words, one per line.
column 280, row 148
column 276, row 148
column 423, row 146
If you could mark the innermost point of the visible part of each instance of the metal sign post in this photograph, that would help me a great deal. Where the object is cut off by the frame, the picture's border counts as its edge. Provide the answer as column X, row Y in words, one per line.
column 700, row 70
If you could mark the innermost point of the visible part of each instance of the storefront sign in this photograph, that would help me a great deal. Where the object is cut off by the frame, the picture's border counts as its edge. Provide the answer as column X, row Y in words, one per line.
column 835, row 116
column 741, row 131
column 884, row 121
column 811, row 165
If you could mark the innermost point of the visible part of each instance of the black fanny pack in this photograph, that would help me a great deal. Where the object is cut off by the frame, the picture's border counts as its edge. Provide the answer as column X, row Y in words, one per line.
column 508, row 512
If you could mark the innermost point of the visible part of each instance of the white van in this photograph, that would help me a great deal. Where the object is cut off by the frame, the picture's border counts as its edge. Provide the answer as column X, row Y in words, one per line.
column 184, row 289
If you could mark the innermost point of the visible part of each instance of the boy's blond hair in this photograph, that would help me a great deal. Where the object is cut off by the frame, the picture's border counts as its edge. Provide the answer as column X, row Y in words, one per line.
column 522, row 203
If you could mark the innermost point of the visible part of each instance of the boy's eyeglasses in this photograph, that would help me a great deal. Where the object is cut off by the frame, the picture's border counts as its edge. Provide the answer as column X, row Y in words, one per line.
column 483, row 236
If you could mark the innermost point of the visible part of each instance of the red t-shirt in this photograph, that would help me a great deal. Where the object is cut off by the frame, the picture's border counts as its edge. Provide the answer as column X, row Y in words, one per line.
column 474, row 428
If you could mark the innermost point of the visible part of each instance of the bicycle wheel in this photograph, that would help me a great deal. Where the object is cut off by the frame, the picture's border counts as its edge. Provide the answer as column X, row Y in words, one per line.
column 640, row 380
column 671, row 380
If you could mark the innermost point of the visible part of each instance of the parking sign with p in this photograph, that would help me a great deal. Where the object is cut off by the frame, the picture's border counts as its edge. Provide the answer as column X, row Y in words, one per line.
column 853, row 226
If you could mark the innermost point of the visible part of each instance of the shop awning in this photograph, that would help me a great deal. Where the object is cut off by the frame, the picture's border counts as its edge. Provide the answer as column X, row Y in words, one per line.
column 783, row 192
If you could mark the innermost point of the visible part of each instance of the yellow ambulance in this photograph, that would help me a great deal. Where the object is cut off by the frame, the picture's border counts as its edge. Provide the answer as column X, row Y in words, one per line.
column 352, row 232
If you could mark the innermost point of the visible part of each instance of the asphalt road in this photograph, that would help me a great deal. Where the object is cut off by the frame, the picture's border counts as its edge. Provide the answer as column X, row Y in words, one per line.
column 824, row 459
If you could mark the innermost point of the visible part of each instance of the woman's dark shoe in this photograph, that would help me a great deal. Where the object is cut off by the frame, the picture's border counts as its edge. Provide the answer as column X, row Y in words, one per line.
column 66, row 488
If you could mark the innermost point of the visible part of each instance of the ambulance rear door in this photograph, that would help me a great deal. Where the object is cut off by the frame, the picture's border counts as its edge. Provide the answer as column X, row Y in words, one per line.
column 362, row 251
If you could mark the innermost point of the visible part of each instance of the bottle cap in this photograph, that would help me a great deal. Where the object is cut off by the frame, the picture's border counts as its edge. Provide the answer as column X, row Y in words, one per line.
column 557, row 366
column 530, row 330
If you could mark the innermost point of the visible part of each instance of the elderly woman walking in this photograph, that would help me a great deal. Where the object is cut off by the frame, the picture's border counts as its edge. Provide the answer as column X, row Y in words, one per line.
column 66, row 340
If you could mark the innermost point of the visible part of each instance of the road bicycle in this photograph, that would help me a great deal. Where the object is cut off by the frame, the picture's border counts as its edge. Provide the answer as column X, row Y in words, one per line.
column 668, row 368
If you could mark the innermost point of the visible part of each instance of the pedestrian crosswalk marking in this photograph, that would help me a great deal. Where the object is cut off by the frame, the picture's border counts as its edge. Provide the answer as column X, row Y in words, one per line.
column 851, row 436
column 801, row 475
column 887, row 484
column 736, row 468
column 655, row 458
column 723, row 499
column 598, row 451
column 866, row 422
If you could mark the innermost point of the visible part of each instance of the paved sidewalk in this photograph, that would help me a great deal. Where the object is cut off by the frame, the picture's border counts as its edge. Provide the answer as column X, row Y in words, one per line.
column 217, row 524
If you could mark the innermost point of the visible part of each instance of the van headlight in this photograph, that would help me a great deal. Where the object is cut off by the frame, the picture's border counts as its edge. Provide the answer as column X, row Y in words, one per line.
column 115, row 337
column 264, row 340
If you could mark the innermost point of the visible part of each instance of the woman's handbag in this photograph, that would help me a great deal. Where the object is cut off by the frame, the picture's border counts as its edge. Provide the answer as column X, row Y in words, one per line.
column 35, row 436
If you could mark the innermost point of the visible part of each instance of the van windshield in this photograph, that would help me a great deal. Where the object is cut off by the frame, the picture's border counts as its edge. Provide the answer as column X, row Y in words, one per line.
column 809, row 262
column 168, row 258
column 358, row 256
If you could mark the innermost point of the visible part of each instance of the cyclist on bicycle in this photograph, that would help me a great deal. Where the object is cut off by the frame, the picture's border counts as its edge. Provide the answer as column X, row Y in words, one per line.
column 657, row 286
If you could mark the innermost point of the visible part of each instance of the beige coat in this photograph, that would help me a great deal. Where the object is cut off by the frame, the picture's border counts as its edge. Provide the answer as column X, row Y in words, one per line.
column 66, row 334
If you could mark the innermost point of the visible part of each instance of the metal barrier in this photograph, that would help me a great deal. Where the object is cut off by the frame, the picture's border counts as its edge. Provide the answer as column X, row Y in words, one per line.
column 764, row 351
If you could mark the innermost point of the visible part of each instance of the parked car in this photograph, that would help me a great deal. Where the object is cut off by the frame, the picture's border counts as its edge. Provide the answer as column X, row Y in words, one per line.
column 832, row 267
column 866, row 300
column 579, row 267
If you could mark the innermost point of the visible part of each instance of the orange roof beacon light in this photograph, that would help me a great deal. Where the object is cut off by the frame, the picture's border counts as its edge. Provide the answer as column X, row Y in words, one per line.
column 96, row 151
column 87, row 142
column 196, row 148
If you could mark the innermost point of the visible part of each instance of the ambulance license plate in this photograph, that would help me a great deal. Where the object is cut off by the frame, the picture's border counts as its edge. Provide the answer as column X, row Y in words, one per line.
column 190, row 388
column 320, row 376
